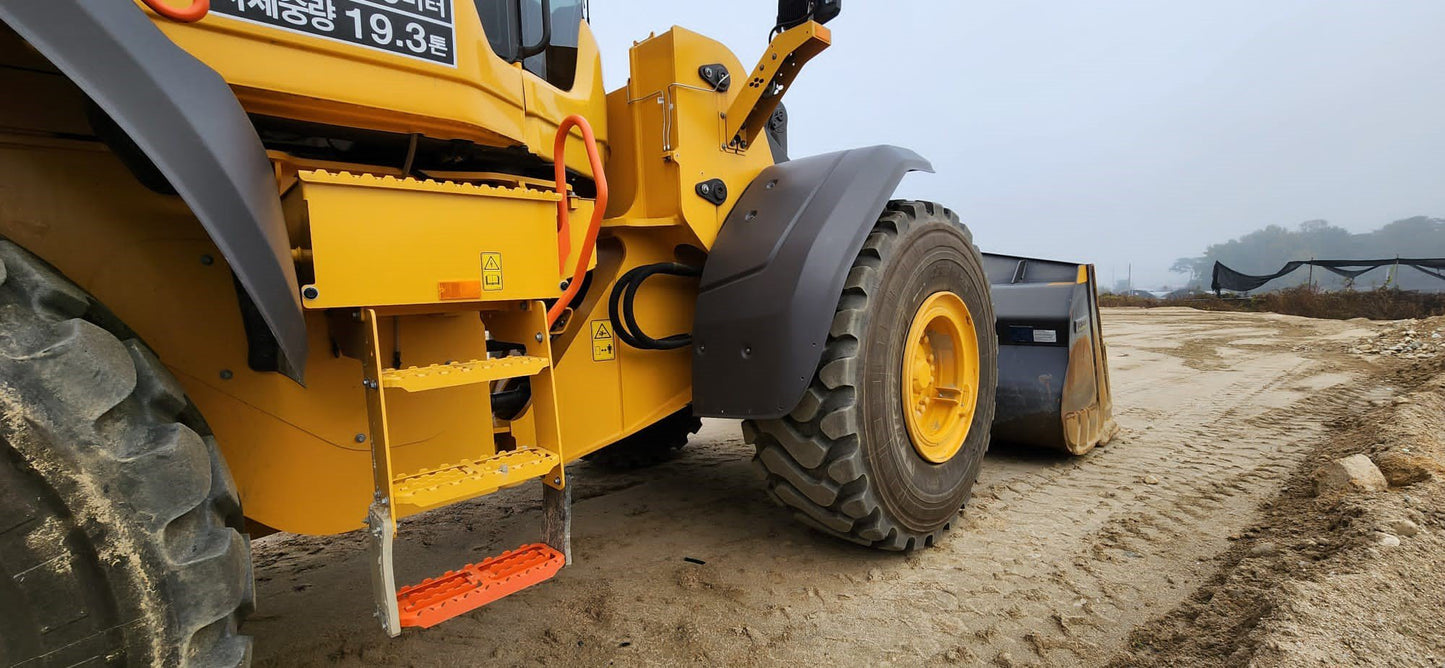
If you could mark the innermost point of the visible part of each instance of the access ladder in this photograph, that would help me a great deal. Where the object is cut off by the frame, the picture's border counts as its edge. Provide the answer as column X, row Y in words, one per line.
column 401, row 493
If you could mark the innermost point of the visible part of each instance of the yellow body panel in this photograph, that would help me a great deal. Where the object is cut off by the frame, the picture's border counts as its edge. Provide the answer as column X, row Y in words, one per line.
column 296, row 76
column 399, row 255
column 148, row 260
column 292, row 75
column 605, row 399
column 669, row 135
column 385, row 241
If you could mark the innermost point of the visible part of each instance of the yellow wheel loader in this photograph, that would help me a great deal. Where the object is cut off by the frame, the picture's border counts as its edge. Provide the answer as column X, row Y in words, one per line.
column 317, row 266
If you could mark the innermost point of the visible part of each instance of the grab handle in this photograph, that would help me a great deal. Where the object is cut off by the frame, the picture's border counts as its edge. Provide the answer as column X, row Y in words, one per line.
column 564, row 235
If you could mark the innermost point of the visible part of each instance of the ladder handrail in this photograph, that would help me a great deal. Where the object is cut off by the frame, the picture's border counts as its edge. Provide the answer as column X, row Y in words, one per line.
column 564, row 235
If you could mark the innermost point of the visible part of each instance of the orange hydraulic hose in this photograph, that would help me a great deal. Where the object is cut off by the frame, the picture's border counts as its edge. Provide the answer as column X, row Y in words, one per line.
column 195, row 12
column 564, row 235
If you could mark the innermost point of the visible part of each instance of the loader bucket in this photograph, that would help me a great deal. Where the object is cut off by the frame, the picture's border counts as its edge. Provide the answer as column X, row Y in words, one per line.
column 1053, row 369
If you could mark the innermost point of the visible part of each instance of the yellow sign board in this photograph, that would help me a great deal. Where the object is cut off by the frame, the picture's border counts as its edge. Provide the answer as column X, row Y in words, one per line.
column 603, row 347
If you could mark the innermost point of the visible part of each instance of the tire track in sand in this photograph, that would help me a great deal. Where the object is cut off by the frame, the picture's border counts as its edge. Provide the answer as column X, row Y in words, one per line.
column 1054, row 562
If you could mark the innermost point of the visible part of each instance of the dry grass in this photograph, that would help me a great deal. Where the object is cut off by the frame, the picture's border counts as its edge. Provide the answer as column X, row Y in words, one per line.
column 1381, row 304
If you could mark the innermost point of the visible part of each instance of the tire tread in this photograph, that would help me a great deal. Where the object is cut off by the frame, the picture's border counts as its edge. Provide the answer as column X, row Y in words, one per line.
column 110, row 437
column 811, row 459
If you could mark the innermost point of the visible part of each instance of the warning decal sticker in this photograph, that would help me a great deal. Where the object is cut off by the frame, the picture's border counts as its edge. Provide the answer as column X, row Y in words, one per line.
column 491, row 271
column 421, row 29
column 603, row 348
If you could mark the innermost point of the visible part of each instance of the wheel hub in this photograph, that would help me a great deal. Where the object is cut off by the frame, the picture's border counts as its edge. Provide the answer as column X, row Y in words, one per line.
column 940, row 377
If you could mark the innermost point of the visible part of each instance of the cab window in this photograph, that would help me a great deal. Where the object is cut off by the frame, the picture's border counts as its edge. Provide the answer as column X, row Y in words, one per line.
column 542, row 34
column 499, row 21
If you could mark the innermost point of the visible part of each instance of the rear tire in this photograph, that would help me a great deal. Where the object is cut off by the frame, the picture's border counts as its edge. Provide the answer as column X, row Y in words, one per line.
column 120, row 528
column 843, row 460
column 655, row 444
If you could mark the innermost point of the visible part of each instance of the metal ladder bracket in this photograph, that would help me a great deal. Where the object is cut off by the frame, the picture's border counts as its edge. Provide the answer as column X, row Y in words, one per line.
column 380, row 536
column 557, row 520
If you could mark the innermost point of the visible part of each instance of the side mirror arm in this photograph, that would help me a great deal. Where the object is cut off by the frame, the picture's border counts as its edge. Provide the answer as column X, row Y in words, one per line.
column 763, row 87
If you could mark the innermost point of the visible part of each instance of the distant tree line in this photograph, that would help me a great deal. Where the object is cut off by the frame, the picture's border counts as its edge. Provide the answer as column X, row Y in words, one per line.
column 1265, row 251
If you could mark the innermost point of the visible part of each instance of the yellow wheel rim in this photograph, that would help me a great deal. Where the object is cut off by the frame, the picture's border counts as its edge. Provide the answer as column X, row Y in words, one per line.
column 940, row 377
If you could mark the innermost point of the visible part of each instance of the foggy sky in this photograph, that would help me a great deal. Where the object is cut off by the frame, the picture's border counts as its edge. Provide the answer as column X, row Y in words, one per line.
column 1116, row 131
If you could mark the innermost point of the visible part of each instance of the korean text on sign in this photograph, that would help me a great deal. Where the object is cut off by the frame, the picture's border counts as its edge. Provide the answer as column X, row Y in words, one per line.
column 417, row 28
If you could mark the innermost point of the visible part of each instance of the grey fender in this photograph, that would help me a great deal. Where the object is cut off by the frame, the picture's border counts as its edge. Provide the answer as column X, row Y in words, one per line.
column 774, row 276
column 185, row 118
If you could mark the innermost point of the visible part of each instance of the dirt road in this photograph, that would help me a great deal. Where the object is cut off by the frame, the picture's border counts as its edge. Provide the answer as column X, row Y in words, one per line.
column 1056, row 560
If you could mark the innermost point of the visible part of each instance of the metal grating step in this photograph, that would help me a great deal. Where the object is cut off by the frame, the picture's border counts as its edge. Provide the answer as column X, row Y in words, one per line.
column 456, row 374
column 429, row 489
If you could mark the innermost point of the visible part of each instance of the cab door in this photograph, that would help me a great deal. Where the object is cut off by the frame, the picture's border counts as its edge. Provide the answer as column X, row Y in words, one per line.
column 561, row 72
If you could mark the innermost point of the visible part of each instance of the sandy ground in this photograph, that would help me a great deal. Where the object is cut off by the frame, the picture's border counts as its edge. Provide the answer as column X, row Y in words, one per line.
column 1330, row 576
column 1058, row 561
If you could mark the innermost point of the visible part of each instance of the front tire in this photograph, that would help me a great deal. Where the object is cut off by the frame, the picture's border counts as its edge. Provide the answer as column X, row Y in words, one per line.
column 844, row 460
column 120, row 529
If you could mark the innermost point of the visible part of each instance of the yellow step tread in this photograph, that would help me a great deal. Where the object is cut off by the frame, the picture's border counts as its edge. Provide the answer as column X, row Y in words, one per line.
column 468, row 479
column 456, row 374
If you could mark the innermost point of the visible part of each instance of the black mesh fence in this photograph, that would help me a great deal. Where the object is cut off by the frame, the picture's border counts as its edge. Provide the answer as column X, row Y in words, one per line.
column 1229, row 279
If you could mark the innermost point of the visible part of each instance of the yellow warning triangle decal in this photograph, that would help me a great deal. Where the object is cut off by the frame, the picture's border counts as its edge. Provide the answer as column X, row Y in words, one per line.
column 492, row 264
column 602, row 331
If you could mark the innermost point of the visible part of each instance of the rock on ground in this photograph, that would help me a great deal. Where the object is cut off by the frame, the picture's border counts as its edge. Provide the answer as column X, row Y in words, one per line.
column 1402, row 469
column 1385, row 539
column 1355, row 473
column 1403, row 527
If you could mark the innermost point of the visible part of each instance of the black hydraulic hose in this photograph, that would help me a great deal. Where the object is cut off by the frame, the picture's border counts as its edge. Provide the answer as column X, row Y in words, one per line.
column 620, row 306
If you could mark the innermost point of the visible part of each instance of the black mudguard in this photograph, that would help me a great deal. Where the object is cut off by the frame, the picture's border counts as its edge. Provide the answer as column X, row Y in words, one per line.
column 774, row 276
column 187, row 120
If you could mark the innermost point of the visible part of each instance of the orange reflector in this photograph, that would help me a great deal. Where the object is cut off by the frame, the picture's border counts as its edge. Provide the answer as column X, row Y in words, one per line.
column 458, row 592
column 459, row 290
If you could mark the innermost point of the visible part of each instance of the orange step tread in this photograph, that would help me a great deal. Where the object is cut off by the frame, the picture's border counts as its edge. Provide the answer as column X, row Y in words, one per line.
column 461, row 591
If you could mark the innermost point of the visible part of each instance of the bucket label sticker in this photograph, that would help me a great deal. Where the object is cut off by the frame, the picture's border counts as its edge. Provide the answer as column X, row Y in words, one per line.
column 1046, row 336
column 420, row 29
